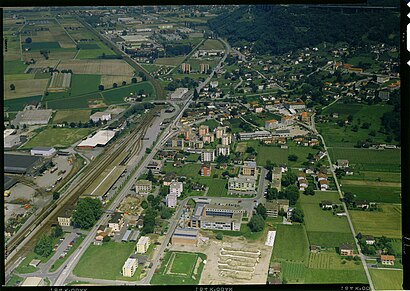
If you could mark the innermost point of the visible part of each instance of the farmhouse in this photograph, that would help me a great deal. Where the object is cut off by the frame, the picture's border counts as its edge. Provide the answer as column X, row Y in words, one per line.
column 100, row 116
column 101, row 138
column 143, row 186
column 324, row 185
column 43, row 151
column 369, row 239
column 184, row 236
column 387, row 260
column 326, row 204
column 143, row 244
column 346, row 250
column 65, row 219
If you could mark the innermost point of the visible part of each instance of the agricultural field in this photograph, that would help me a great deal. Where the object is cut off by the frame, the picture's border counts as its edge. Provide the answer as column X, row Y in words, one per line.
column 14, row 105
column 387, row 279
column 98, row 67
column 92, row 100
column 22, row 77
column 212, row 44
column 95, row 53
column 84, row 83
column 291, row 244
column 273, row 153
column 368, row 176
column 179, row 268
column 109, row 80
column 14, row 67
column 386, row 221
column 72, row 116
column 115, row 96
column 93, row 263
column 56, row 137
column 373, row 193
column 369, row 159
column 24, row 88
column 324, row 228
column 323, row 276
column 171, row 61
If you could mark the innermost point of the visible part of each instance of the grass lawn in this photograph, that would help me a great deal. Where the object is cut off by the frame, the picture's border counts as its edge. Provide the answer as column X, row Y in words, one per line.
column 212, row 44
column 181, row 263
column 374, row 193
column 369, row 159
column 72, row 116
column 172, row 61
column 14, row 67
column 14, row 280
column 387, row 279
column 21, row 77
column 77, row 102
column 189, row 170
column 94, row 262
column 373, row 176
column 84, row 83
column 25, row 268
column 95, row 53
column 217, row 186
column 378, row 223
column 324, row 276
column 114, row 96
column 291, row 244
column 56, row 137
column 301, row 152
column 273, row 153
column 293, row 272
column 212, row 123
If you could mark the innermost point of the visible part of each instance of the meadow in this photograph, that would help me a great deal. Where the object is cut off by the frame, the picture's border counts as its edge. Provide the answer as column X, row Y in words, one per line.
column 56, row 137
column 72, row 116
column 84, row 83
column 171, row 61
column 291, row 244
column 115, row 96
column 212, row 44
column 374, row 193
column 24, row 88
column 20, row 103
column 387, row 279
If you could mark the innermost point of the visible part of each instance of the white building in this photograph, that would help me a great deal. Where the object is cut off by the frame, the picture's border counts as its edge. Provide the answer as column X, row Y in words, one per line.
column 101, row 138
column 143, row 186
column 129, row 267
column 103, row 116
column 222, row 150
column 143, row 245
column 176, row 188
column 208, row 156
column 43, row 151
column 179, row 93
column 171, row 200
column 33, row 281
column 226, row 139
column 10, row 138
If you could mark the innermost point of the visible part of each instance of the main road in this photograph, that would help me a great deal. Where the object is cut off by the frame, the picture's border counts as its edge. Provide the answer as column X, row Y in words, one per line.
column 69, row 265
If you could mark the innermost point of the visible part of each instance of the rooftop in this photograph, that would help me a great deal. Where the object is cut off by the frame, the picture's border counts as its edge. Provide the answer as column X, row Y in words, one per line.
column 129, row 263
column 102, row 137
column 143, row 240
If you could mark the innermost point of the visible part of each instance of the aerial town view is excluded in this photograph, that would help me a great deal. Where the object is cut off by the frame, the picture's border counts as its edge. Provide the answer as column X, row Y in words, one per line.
column 202, row 145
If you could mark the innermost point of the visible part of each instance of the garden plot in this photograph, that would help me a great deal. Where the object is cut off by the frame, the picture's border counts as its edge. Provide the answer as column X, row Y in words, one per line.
column 99, row 67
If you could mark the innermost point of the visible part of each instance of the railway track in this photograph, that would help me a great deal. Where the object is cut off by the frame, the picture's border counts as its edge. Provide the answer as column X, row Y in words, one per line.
column 114, row 154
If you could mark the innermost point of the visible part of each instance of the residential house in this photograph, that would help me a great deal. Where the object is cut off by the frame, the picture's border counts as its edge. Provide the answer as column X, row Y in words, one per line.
column 206, row 170
column 208, row 156
column 222, row 150
column 203, row 130
column 274, row 207
column 323, row 185
column 346, row 250
column 176, row 188
column 369, row 239
column 116, row 222
column 387, row 260
column 249, row 169
column 65, row 219
column 129, row 267
column 271, row 124
column 362, row 204
column 143, row 186
column 326, row 204
column 342, row 163
column 143, row 244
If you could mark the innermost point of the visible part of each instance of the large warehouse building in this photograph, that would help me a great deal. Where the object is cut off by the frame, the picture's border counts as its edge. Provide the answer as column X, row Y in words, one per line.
column 32, row 117
column 10, row 138
column 43, row 151
column 101, row 138
column 21, row 164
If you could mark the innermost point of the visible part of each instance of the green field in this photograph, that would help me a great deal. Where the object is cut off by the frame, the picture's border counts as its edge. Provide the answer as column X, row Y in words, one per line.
column 84, row 83
column 115, row 96
column 14, row 280
column 386, row 222
column 369, row 159
column 72, row 116
column 95, row 53
column 293, row 272
column 189, row 170
column 291, row 244
column 78, row 102
column 22, row 77
column 212, row 44
column 301, row 152
column 14, row 67
column 93, row 263
column 56, row 137
column 212, row 123
column 387, row 279
column 217, row 186
column 20, row 103
column 324, row 276
column 375, row 176
column 42, row 45
column 178, row 268
column 374, row 193
column 273, row 153
column 171, row 61
column 329, row 240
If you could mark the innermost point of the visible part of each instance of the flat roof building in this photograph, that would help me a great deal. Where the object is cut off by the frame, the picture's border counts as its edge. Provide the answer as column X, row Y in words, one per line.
column 212, row 216
column 43, row 151
column 10, row 138
column 103, row 116
column 32, row 117
column 143, row 186
column 129, row 267
column 20, row 164
column 185, row 236
column 143, row 244
column 101, row 138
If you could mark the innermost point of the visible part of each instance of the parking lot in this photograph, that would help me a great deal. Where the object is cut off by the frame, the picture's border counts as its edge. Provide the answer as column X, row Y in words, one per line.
column 52, row 175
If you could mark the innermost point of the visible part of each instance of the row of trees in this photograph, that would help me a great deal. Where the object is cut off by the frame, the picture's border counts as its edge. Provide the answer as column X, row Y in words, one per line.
column 44, row 246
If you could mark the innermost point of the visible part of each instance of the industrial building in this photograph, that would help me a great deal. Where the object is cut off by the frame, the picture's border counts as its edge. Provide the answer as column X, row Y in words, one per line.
column 185, row 236
column 9, row 182
column 101, row 138
column 33, row 117
column 43, row 151
column 10, row 138
column 103, row 116
column 21, row 164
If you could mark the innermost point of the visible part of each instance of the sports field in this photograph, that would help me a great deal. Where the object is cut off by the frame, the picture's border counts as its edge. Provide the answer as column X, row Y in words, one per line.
column 179, row 268
column 385, row 222
column 56, row 137
column 387, row 279
column 72, row 116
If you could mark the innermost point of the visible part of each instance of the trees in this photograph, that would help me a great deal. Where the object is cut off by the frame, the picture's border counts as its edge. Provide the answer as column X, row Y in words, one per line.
column 165, row 213
column 261, row 210
column 28, row 40
column 196, row 94
column 298, row 215
column 106, row 238
column 12, row 87
column 292, row 194
column 288, row 179
column 58, row 231
column 101, row 87
column 134, row 80
column 293, row 158
column 56, row 195
column 44, row 246
column 219, row 236
column 150, row 176
column 124, row 83
column 144, row 204
column 349, row 197
column 272, row 194
column 250, row 150
column 87, row 212
column 256, row 223
column 114, row 85
column 309, row 191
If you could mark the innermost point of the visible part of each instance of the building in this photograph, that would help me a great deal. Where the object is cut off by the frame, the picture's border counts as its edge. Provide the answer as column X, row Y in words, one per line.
column 346, row 250
column 323, row 185
column 33, row 117
column 101, row 138
column 33, row 281
column 21, row 164
column 298, row 105
column 203, row 68
column 206, row 170
column 171, row 200
column 387, row 260
column 219, row 131
column 222, row 150
column 203, row 130
column 179, row 93
column 382, row 79
column 175, row 143
column 126, row 235
column 185, row 236
column 10, row 138
column 362, row 204
column 342, row 163
column 369, row 239
column 208, row 156
column 185, row 68
column 209, row 137
column 271, row 124
column 259, row 134
column 143, row 244
column 176, row 188
column 326, row 204
column 143, row 186
column 242, row 184
column 43, row 151
column 314, row 249
column 187, row 131
column 155, row 166
column 100, row 116
column 273, row 207
column 116, row 222
column 207, row 216
column 129, row 267
column 304, row 117
column 277, row 178
column 226, row 139
column 249, row 169
column 65, row 219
